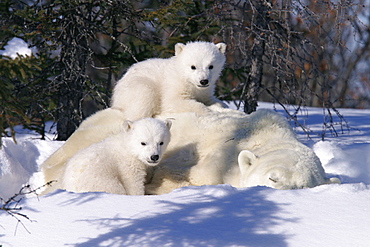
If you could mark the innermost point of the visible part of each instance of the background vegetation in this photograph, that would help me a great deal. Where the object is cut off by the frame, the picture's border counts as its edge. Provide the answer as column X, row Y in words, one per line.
column 304, row 53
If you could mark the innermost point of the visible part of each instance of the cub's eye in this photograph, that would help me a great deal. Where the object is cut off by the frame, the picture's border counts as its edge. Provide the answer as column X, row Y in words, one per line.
column 210, row 67
column 143, row 144
column 161, row 143
column 193, row 67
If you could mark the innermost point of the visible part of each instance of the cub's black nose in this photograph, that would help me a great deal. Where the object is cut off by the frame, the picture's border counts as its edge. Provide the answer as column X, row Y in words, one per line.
column 204, row 82
column 154, row 157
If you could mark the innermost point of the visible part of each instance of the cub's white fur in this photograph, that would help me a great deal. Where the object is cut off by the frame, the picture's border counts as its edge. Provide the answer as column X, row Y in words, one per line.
column 97, row 127
column 118, row 163
column 182, row 83
column 147, row 89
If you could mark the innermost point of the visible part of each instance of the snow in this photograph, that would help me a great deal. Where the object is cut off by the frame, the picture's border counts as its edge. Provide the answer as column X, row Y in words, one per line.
column 15, row 47
column 221, row 215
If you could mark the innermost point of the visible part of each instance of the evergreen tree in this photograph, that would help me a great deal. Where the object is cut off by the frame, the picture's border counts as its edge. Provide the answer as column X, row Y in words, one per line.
column 66, row 35
column 283, row 51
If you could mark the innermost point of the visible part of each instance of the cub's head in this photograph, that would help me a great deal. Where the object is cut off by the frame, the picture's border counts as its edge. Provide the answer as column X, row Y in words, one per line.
column 148, row 138
column 200, row 63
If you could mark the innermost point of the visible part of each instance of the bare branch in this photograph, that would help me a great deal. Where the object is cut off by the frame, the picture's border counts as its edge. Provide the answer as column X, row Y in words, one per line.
column 12, row 204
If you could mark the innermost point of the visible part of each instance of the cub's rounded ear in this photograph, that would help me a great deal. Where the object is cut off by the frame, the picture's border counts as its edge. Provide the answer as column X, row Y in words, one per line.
column 127, row 125
column 178, row 48
column 245, row 160
column 221, row 47
column 168, row 123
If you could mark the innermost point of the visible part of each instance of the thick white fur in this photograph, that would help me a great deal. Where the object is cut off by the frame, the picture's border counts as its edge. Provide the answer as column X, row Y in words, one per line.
column 92, row 130
column 205, row 150
column 274, row 157
column 157, row 86
column 118, row 163
column 148, row 88
column 201, row 151
column 207, row 139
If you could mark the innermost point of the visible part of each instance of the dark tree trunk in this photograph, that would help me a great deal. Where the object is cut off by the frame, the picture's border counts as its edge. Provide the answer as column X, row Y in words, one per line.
column 253, row 85
column 69, row 114
column 73, row 59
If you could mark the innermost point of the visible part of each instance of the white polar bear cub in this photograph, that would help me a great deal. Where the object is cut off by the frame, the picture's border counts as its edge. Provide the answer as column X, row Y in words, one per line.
column 118, row 163
column 183, row 83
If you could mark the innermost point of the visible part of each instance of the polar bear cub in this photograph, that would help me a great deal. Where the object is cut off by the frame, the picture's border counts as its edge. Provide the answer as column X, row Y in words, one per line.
column 183, row 83
column 118, row 163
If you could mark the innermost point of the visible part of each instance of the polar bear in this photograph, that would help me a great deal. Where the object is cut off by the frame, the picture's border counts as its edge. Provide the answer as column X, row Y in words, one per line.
column 95, row 128
column 274, row 157
column 213, row 149
column 183, row 83
column 118, row 163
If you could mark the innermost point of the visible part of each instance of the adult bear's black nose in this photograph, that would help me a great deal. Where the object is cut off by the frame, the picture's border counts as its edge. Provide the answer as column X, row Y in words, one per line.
column 154, row 157
column 204, row 82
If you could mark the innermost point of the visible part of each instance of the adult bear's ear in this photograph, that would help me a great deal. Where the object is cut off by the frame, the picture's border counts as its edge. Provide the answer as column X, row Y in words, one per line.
column 168, row 123
column 127, row 125
column 221, row 47
column 178, row 48
column 245, row 160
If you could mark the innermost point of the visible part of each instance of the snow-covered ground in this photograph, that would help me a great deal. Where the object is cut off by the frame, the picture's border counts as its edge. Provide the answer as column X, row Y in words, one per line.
column 328, row 215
